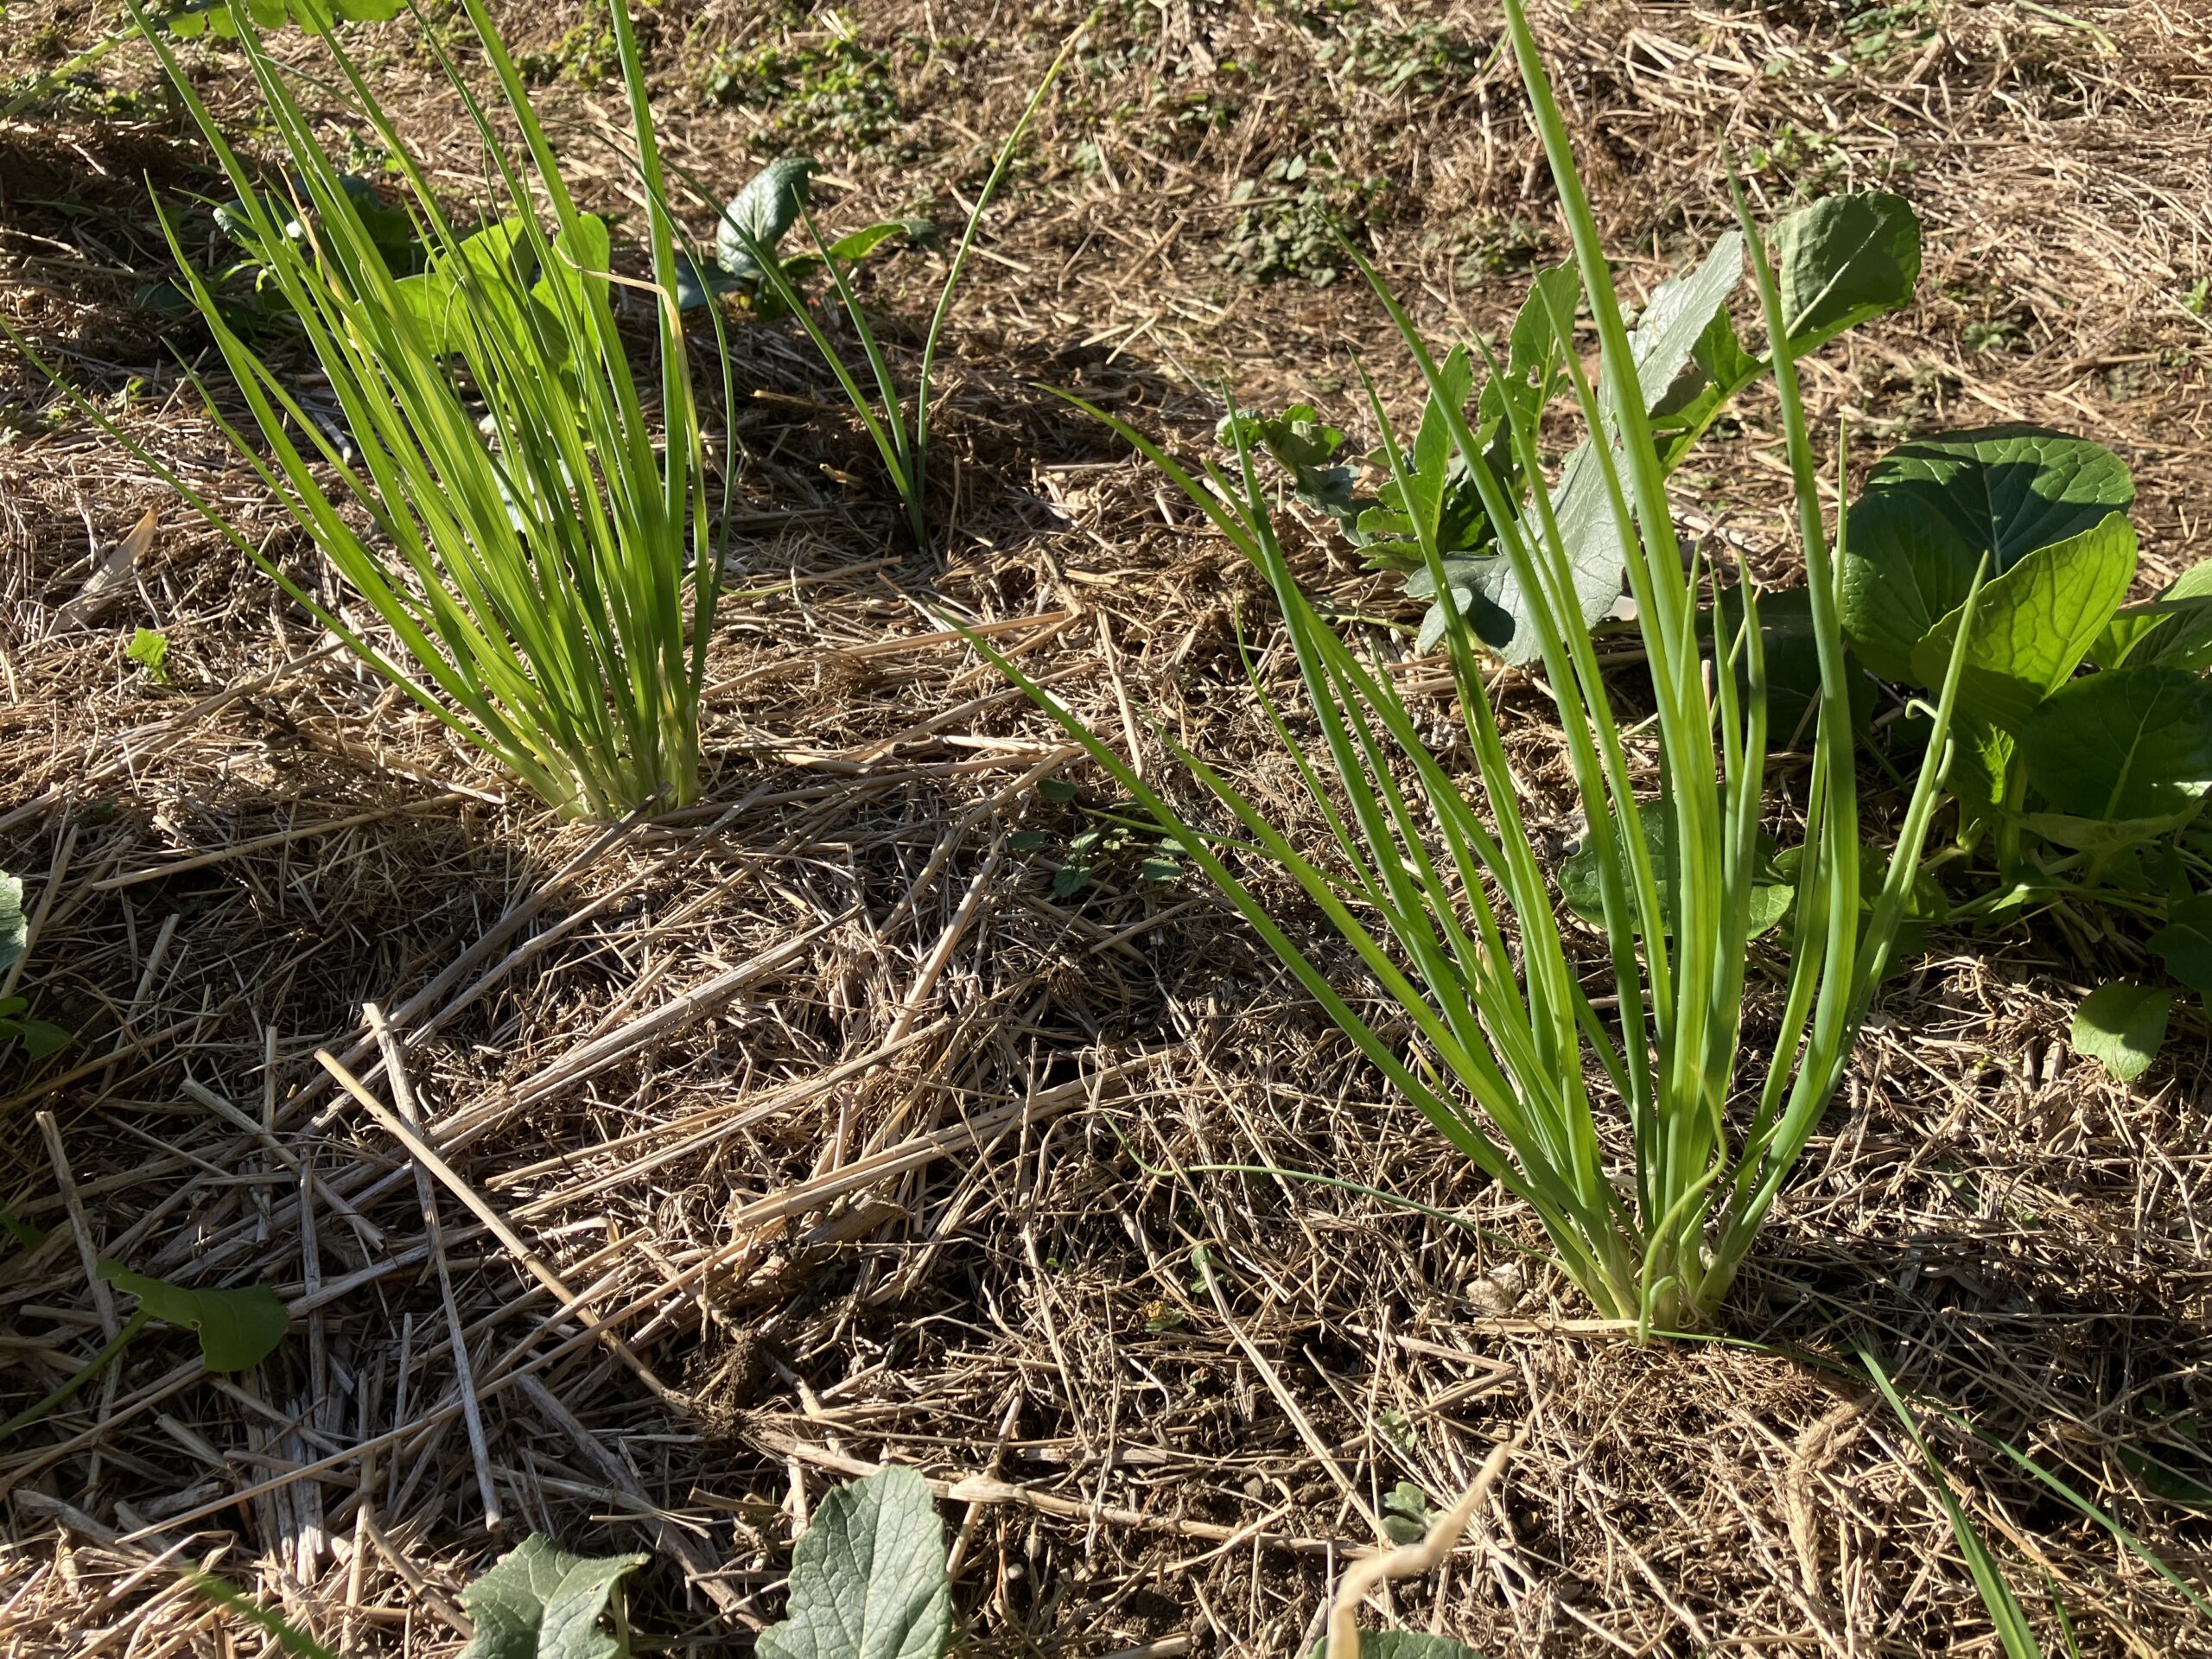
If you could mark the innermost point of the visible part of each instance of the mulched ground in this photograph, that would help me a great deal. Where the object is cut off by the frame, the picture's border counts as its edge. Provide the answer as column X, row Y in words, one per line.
column 856, row 1140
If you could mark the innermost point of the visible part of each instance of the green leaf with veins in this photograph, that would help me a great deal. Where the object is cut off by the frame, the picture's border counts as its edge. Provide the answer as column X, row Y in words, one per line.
column 869, row 1577
column 2122, row 1026
column 2034, row 624
column 2134, row 742
column 1932, row 509
column 758, row 215
column 1841, row 260
column 2175, row 628
column 539, row 1602
column 238, row 1328
column 1845, row 260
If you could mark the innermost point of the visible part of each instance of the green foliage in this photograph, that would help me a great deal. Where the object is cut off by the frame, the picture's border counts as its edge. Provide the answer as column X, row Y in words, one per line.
column 149, row 649
column 1408, row 1514
column 1841, row 260
column 539, row 1602
column 38, row 1038
column 190, row 21
column 237, row 1328
column 2122, row 1026
column 1497, row 1043
column 1294, row 220
column 2084, row 786
column 869, row 1578
column 901, row 440
column 754, row 223
column 836, row 91
column 538, row 539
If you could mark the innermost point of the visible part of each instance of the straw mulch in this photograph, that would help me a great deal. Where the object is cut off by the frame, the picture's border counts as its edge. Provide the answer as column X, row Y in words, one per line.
column 810, row 1129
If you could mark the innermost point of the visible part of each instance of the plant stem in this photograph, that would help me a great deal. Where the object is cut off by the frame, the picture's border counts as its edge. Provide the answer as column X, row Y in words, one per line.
column 100, row 1362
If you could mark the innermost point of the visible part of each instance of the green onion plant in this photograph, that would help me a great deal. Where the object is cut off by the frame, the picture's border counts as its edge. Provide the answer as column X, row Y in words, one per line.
column 529, row 524
column 1635, row 1125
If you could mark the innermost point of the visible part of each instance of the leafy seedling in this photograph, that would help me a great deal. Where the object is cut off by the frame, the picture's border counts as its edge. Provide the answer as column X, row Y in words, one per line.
column 1111, row 840
column 1408, row 1514
column 539, row 1602
column 752, row 225
column 1840, row 261
column 869, row 1577
column 237, row 1329
column 149, row 649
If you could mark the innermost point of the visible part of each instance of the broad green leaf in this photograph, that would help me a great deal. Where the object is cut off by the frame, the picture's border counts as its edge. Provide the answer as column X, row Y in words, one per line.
column 764, row 210
column 2122, row 1026
column 38, row 1038
column 2034, row 624
column 2135, row 742
column 583, row 249
column 856, row 245
column 1846, row 260
column 15, row 930
column 2007, row 490
column 1904, row 570
column 1663, row 347
column 539, row 1602
column 869, row 1578
column 696, row 283
column 2175, row 628
column 2184, row 944
column 238, row 1328
column 1402, row 1644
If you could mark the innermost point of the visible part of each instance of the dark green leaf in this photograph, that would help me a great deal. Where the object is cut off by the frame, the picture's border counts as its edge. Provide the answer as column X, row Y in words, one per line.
column 2135, row 742
column 2034, row 624
column 2122, row 1026
column 758, row 215
column 1057, row 789
column 869, row 1578
column 695, row 284
column 541, row 1603
column 38, row 1038
column 1026, row 841
column 238, row 1328
column 1844, row 260
column 2184, row 944
column 1309, row 449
